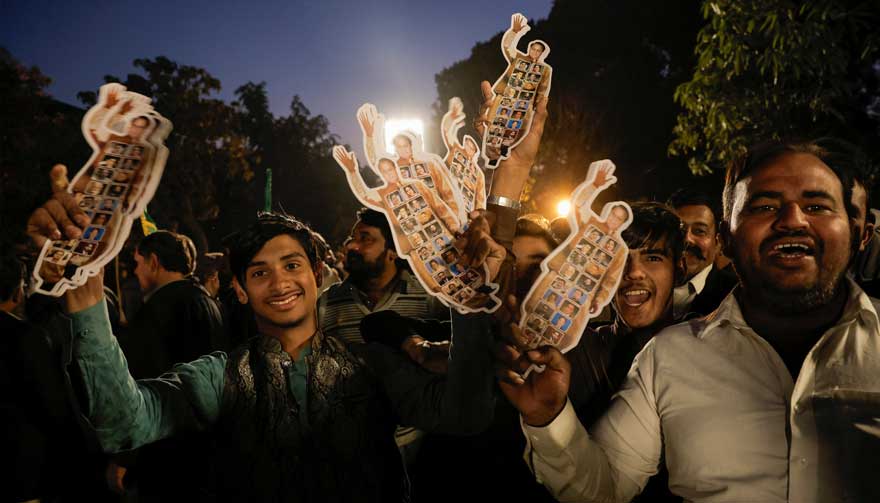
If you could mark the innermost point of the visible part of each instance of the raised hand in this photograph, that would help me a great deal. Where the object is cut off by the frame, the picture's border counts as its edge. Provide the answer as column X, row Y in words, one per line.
column 604, row 173
column 60, row 212
column 542, row 396
column 477, row 246
column 346, row 159
column 366, row 116
column 518, row 22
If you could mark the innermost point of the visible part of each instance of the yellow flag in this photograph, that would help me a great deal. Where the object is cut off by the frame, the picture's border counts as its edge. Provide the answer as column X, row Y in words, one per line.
column 148, row 224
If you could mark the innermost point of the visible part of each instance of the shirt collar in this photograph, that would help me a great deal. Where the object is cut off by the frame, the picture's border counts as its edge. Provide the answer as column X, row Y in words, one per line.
column 699, row 281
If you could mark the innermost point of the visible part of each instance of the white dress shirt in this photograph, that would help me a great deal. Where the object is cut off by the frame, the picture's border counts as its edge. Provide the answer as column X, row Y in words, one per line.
column 716, row 399
column 684, row 295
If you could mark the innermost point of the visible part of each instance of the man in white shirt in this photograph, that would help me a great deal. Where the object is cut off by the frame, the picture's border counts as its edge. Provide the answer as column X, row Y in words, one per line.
column 774, row 397
column 706, row 285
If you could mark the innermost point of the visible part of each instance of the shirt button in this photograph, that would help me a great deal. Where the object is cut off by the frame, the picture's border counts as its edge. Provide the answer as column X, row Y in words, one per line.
column 803, row 461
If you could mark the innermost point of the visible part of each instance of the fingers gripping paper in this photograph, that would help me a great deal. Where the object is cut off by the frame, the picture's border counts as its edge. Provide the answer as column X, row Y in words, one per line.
column 527, row 76
column 113, row 188
column 425, row 209
column 579, row 277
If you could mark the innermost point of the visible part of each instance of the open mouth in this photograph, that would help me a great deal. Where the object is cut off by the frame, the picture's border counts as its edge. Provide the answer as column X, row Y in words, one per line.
column 791, row 250
column 285, row 301
column 635, row 297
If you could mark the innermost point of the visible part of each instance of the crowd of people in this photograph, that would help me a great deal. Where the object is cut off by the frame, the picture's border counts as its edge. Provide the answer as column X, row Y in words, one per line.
column 737, row 362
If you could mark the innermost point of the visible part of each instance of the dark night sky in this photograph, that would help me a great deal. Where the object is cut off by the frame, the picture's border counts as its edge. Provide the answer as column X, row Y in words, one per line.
column 335, row 54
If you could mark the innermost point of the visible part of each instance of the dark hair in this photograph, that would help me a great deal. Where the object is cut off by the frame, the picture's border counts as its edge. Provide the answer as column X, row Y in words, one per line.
column 174, row 251
column 535, row 226
column 543, row 47
column 245, row 244
column 378, row 220
column 12, row 272
column 690, row 197
column 653, row 223
column 847, row 162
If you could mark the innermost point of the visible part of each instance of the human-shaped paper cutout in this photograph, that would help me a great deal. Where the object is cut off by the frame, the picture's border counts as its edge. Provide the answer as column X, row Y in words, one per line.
column 113, row 188
column 422, row 223
column 409, row 155
column 581, row 275
column 527, row 76
column 462, row 158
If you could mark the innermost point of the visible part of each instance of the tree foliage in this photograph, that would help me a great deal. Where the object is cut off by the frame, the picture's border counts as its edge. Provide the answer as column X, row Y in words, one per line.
column 779, row 68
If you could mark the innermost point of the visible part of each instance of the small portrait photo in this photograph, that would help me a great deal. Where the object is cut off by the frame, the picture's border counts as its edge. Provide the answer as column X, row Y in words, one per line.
column 552, row 298
column 514, row 124
column 496, row 131
column 526, row 95
column 535, row 323
column 537, row 68
column 78, row 260
column 560, row 322
column 594, row 235
column 94, row 188
column 521, row 105
column 429, row 182
column 510, row 92
column 452, row 287
column 116, row 190
column 135, row 152
column 103, row 174
column 455, row 168
column 130, row 164
column 472, row 278
column 499, row 121
column 440, row 242
column 530, row 336
column 610, row 245
column 405, row 172
column 495, row 141
column 577, row 295
column 506, row 102
column 441, row 277
column 503, row 112
column 409, row 225
column 421, row 171
column 117, row 148
column 417, row 239
column 594, row 269
column 514, row 82
column 424, row 252
column 602, row 257
column 424, row 216
column 585, row 247
column 552, row 336
column 109, row 205
column 87, row 203
column 577, row 259
column 122, row 176
column 456, row 269
column 569, row 308
column 86, row 248
column 568, row 271
column 67, row 244
column 433, row 229
column 534, row 77
column 93, row 233
column 510, row 134
column 450, row 256
column 586, row 282
column 506, row 142
column 58, row 256
column 109, row 162
column 463, row 295
column 402, row 213
column 409, row 192
column 435, row 264
column 417, row 204
column 518, row 75
column 544, row 311
column 517, row 115
column 394, row 199
column 522, row 66
column 528, row 86
column 558, row 284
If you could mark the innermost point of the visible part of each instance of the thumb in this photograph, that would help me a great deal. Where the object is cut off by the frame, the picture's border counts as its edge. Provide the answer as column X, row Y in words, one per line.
column 58, row 178
column 547, row 355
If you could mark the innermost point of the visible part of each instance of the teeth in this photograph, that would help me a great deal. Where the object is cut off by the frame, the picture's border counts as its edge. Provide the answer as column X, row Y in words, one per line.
column 636, row 292
column 286, row 301
column 789, row 247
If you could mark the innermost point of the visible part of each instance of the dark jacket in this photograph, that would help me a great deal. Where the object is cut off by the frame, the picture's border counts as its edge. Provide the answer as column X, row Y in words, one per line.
column 719, row 283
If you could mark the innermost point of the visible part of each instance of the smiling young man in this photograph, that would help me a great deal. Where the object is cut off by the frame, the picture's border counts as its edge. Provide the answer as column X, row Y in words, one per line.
column 298, row 415
column 774, row 397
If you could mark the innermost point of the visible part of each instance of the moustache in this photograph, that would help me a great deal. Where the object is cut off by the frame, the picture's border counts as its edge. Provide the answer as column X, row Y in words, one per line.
column 695, row 251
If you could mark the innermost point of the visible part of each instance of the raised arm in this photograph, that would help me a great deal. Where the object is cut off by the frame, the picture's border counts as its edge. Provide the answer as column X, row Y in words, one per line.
column 452, row 121
column 600, row 176
column 373, row 128
column 518, row 24
column 348, row 162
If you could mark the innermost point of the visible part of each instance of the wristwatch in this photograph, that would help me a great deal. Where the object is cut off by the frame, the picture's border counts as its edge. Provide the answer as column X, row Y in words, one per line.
column 504, row 201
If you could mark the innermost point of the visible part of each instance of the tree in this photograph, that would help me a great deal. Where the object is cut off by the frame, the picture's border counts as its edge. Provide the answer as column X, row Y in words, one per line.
column 779, row 68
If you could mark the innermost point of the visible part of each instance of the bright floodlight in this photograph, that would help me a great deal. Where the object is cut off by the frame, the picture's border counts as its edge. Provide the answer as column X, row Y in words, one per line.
column 395, row 126
column 563, row 207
